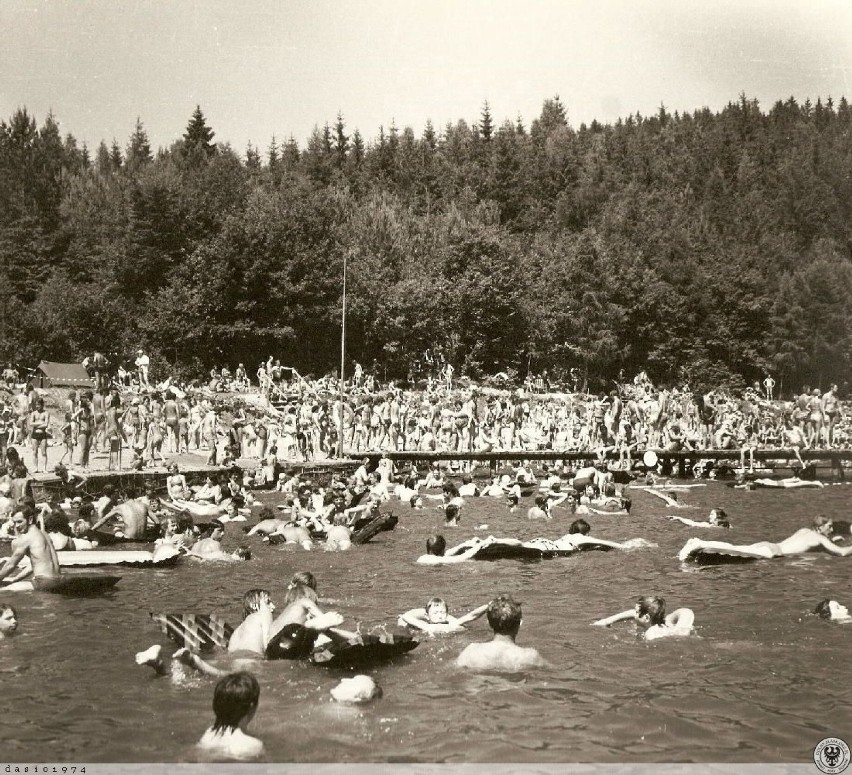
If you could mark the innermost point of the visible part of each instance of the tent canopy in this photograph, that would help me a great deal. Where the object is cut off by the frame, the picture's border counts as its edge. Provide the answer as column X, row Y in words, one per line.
column 51, row 374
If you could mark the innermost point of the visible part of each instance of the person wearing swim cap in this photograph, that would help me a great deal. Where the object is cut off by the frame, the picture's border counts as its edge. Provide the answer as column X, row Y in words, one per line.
column 501, row 652
column 649, row 614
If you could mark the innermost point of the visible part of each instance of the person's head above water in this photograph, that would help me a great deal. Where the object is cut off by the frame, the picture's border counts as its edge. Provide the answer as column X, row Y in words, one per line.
column 504, row 615
column 436, row 545
column 719, row 517
column 579, row 526
column 650, row 611
column 8, row 620
column 235, row 700
column 254, row 600
column 831, row 609
column 436, row 610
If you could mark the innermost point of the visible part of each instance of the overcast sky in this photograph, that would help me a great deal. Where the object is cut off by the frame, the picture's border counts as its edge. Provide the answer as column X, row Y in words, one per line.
column 264, row 67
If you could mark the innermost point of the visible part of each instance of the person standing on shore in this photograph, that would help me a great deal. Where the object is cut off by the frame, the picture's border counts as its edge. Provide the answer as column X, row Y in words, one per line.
column 143, row 363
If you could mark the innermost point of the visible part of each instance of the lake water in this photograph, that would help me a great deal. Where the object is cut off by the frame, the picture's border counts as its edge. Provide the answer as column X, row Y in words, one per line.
column 761, row 681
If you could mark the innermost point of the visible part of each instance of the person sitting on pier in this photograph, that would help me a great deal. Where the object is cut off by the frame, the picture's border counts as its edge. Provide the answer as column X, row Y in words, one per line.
column 804, row 540
column 649, row 613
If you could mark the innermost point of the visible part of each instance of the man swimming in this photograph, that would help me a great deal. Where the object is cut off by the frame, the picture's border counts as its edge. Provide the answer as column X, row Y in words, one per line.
column 435, row 619
column 804, row 540
column 501, row 653
column 649, row 613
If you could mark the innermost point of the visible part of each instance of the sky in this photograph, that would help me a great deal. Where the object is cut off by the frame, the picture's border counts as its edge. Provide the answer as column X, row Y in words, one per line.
column 260, row 68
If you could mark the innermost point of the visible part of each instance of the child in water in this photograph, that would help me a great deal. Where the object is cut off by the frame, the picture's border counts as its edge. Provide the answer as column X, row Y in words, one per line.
column 235, row 701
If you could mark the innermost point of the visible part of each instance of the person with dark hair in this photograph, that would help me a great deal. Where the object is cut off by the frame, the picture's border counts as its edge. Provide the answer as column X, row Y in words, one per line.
column 39, row 433
column 32, row 543
column 541, row 509
column 832, row 610
column 436, row 547
column 649, row 614
column 717, row 518
column 501, row 652
column 8, row 620
column 235, row 701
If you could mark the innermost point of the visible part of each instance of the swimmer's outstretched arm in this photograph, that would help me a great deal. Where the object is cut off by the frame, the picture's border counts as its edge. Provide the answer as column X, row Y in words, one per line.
column 622, row 617
column 472, row 615
column 833, row 548
column 106, row 518
column 689, row 522
column 416, row 617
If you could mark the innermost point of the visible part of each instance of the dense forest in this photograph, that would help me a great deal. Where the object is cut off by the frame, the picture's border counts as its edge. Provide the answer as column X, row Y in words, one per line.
column 706, row 247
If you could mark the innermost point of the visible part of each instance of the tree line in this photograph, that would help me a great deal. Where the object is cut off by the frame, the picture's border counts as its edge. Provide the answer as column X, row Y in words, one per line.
column 710, row 247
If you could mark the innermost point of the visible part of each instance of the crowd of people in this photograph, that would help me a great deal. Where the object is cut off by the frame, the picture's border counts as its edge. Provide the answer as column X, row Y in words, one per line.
column 279, row 416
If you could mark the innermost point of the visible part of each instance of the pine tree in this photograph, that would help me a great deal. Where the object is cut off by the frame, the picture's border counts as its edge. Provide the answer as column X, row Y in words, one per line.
column 252, row 157
column 115, row 160
column 138, row 149
column 341, row 142
column 198, row 134
column 272, row 157
column 486, row 125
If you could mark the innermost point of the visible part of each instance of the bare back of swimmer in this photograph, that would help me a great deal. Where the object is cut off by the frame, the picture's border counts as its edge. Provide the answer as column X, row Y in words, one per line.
column 804, row 540
column 133, row 515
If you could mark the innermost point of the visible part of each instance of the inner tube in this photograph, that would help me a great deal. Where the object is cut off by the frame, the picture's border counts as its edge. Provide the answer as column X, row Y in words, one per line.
column 376, row 525
column 363, row 651
column 77, row 585
column 294, row 641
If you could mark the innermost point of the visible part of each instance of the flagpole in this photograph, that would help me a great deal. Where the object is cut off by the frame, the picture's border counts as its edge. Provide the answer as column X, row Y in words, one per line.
column 342, row 361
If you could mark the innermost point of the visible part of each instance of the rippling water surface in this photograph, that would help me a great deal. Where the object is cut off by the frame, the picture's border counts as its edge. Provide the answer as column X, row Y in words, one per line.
column 761, row 681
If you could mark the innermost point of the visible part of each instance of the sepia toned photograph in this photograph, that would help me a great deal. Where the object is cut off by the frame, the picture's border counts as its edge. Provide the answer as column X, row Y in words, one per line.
column 425, row 384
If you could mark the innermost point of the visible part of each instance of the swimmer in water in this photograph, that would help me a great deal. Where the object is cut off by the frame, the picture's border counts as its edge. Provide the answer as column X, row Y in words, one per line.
column 501, row 653
column 8, row 621
column 833, row 611
column 249, row 639
column 717, row 518
column 578, row 537
column 804, row 540
column 436, row 550
column 435, row 619
column 235, row 701
column 649, row 614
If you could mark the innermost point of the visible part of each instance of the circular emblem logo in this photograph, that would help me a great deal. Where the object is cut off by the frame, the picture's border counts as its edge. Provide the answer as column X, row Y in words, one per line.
column 831, row 755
